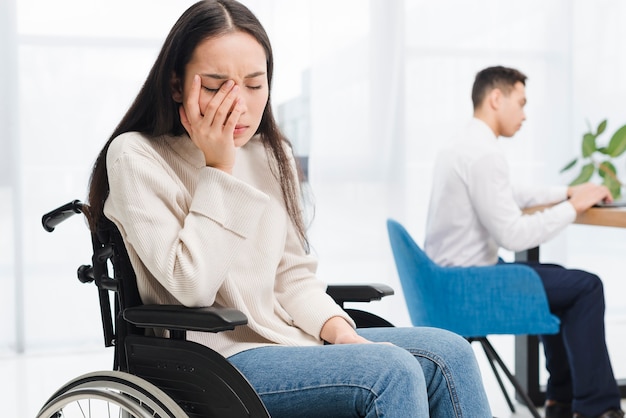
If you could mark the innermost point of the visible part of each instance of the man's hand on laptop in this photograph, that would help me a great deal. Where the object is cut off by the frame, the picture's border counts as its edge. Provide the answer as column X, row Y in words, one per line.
column 583, row 196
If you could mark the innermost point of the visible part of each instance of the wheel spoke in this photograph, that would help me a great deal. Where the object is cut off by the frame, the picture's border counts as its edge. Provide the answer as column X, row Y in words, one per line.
column 110, row 394
column 81, row 409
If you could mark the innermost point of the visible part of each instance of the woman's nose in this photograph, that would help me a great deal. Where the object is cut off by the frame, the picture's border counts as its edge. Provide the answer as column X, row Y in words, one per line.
column 242, row 104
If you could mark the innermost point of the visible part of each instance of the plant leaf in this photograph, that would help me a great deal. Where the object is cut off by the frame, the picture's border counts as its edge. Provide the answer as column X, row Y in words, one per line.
column 608, row 172
column 614, row 186
column 617, row 144
column 585, row 174
column 589, row 144
column 569, row 165
column 607, row 169
column 601, row 127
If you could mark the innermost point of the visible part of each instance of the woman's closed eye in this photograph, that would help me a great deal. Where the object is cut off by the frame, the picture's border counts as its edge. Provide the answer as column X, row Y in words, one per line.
column 213, row 87
column 216, row 89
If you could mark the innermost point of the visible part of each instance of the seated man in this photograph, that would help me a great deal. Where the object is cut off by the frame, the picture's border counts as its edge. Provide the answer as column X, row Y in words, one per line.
column 474, row 210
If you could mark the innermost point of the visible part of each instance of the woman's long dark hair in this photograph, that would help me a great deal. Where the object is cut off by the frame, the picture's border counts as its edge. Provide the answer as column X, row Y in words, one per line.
column 155, row 113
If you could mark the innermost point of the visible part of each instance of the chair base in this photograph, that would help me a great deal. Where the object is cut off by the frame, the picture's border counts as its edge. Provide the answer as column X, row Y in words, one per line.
column 493, row 358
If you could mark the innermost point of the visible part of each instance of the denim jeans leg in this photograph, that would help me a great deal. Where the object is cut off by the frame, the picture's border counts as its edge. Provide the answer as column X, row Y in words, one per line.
column 453, row 378
column 356, row 380
column 370, row 380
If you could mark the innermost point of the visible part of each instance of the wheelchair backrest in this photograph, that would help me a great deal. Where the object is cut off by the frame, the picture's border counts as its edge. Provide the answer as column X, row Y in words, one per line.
column 109, row 239
column 112, row 273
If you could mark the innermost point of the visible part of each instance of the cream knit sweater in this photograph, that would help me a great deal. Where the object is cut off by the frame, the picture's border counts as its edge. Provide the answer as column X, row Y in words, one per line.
column 198, row 236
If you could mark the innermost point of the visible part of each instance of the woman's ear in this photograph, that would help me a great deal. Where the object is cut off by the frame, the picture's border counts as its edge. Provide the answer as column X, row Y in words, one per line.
column 176, row 86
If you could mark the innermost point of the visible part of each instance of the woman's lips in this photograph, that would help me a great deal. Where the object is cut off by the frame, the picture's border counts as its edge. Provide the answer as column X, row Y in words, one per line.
column 239, row 129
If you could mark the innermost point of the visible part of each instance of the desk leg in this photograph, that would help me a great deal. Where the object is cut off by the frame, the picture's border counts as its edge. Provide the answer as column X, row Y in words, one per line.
column 527, row 367
column 527, row 349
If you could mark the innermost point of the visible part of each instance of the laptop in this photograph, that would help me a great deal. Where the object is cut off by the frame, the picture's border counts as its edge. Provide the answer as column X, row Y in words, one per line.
column 619, row 203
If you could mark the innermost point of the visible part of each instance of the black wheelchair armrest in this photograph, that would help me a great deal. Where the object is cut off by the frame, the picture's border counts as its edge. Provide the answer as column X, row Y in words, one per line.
column 181, row 318
column 342, row 293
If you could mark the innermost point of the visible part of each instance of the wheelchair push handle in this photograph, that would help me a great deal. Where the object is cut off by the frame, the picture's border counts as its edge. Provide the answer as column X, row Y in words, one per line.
column 51, row 219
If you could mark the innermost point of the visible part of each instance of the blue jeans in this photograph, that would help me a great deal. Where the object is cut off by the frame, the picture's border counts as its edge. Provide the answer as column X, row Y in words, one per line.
column 370, row 380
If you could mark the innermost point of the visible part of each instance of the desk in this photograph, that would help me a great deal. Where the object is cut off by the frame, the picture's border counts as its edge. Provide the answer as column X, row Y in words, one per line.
column 527, row 346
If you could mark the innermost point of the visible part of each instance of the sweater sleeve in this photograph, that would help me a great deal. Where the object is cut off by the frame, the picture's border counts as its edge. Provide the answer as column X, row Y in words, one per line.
column 187, row 249
column 493, row 199
column 300, row 292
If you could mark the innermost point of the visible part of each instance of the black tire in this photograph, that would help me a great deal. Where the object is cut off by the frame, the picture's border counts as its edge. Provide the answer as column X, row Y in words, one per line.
column 110, row 393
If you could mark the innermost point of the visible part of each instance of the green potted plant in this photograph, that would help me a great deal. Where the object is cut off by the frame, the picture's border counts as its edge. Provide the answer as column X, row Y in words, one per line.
column 597, row 159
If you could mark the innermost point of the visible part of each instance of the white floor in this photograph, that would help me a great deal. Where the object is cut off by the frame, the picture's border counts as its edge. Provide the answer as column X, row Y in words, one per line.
column 29, row 379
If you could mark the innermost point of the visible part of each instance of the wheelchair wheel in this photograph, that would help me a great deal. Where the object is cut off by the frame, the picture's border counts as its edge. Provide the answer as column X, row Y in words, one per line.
column 110, row 394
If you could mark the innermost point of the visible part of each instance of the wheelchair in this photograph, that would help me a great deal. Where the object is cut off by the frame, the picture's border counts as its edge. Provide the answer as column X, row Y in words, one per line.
column 164, row 377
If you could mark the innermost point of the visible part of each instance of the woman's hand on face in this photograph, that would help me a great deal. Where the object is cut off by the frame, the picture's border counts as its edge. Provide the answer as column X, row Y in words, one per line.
column 211, row 128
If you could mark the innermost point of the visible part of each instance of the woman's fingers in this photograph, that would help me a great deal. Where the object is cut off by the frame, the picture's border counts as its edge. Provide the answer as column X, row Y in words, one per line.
column 192, row 102
column 219, row 107
column 233, row 117
column 210, row 121
column 217, row 112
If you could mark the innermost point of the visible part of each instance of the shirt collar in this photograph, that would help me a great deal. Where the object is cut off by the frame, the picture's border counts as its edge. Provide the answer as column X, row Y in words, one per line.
column 480, row 129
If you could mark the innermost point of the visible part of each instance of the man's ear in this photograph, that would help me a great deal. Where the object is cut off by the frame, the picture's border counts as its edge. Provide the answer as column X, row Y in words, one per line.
column 176, row 87
column 494, row 98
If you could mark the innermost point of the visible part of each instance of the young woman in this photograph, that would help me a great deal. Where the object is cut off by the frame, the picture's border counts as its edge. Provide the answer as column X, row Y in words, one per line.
column 204, row 189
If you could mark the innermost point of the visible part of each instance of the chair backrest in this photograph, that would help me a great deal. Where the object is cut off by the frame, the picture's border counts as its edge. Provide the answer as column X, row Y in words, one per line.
column 124, row 274
column 109, row 240
column 471, row 301
column 112, row 274
column 416, row 272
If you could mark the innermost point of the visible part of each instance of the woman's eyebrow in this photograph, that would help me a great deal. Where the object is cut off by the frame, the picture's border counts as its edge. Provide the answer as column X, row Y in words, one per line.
column 217, row 76
column 255, row 74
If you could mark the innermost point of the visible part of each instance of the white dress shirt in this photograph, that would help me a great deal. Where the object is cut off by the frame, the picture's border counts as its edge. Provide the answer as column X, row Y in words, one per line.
column 474, row 210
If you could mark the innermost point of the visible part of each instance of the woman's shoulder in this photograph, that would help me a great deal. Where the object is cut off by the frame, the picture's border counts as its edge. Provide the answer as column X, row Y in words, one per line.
column 129, row 142
column 139, row 145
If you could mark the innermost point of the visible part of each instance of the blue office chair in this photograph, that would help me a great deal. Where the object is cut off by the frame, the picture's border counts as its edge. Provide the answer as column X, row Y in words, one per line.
column 473, row 301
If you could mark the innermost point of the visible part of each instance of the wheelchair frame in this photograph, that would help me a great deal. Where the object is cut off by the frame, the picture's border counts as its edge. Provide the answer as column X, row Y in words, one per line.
column 165, row 377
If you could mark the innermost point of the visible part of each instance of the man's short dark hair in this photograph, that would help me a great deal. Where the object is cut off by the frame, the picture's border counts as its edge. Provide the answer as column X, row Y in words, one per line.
column 497, row 77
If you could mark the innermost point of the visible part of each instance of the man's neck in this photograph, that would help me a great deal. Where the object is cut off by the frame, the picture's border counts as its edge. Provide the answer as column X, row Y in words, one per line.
column 488, row 120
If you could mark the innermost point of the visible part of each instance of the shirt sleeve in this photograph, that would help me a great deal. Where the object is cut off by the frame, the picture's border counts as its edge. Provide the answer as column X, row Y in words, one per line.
column 497, row 209
column 527, row 196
